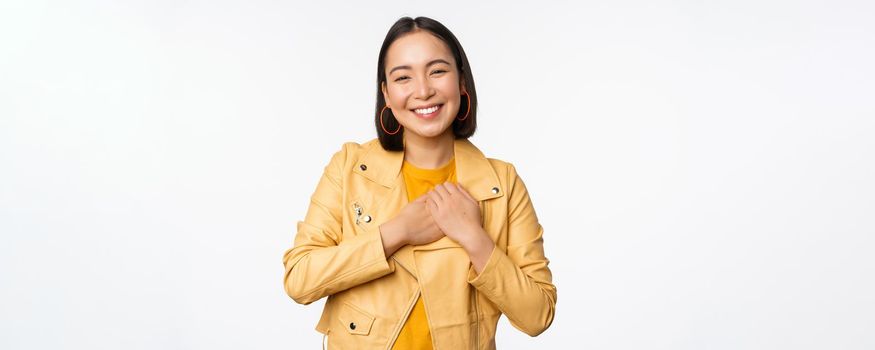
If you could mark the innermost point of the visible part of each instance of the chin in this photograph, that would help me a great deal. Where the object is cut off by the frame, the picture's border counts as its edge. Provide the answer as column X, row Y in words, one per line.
column 430, row 132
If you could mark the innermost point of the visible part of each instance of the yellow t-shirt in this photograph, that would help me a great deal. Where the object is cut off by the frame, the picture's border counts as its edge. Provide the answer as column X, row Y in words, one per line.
column 415, row 334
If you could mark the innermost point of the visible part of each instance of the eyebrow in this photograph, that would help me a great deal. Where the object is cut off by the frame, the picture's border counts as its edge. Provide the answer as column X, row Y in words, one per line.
column 436, row 61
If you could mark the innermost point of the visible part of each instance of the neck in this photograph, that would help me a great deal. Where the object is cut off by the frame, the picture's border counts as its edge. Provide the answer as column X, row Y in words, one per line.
column 428, row 152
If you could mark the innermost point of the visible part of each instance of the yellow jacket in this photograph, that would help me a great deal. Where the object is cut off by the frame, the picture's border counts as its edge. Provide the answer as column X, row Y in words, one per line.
column 338, row 253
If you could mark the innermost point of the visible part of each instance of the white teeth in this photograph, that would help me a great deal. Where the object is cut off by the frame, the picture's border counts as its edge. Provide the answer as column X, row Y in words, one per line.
column 426, row 110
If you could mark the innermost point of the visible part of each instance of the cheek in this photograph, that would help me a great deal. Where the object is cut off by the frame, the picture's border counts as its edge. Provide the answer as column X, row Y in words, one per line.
column 450, row 88
column 397, row 96
column 451, row 92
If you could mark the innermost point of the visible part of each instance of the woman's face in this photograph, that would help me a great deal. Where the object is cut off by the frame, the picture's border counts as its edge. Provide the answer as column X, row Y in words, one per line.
column 422, row 84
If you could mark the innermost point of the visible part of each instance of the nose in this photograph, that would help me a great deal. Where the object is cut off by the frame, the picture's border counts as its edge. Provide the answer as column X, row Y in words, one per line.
column 424, row 90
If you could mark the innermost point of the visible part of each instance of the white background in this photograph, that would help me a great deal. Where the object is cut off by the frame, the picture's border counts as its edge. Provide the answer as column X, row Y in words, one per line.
column 703, row 170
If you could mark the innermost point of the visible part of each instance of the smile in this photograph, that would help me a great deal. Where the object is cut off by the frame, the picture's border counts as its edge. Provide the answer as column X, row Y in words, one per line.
column 428, row 111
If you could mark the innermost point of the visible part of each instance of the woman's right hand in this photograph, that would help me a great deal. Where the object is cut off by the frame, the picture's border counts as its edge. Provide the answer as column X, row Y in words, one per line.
column 413, row 225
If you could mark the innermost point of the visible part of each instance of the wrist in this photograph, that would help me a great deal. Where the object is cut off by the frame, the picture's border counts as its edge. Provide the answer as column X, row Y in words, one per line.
column 393, row 235
column 479, row 251
column 477, row 242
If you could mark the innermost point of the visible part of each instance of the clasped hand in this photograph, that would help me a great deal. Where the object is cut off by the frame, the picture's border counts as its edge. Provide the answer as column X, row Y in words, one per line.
column 447, row 210
column 455, row 212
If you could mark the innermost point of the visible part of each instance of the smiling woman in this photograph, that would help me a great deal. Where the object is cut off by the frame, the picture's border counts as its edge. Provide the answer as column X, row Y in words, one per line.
column 418, row 240
column 422, row 65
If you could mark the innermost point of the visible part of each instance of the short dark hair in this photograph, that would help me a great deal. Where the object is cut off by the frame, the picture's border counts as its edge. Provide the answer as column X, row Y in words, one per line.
column 461, row 129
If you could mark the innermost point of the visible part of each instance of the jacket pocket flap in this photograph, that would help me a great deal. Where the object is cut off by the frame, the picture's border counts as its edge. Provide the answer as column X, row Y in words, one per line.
column 355, row 320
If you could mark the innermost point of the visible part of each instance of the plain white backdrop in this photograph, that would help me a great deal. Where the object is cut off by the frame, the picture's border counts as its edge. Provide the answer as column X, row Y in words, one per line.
column 703, row 170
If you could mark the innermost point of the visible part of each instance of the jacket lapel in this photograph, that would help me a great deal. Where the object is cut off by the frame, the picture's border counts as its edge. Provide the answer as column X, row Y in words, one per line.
column 473, row 170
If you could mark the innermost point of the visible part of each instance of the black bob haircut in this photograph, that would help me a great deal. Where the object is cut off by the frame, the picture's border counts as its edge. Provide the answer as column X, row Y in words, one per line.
column 405, row 25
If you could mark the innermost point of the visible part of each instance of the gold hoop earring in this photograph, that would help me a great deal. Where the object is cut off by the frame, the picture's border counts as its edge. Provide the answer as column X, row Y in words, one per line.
column 469, row 107
column 384, row 126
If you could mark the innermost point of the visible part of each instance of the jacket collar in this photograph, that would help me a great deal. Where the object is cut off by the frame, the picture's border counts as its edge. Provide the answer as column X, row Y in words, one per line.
column 473, row 171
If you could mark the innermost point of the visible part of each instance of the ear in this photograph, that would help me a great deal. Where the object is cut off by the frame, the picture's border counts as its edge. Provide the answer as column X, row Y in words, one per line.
column 385, row 93
column 462, row 88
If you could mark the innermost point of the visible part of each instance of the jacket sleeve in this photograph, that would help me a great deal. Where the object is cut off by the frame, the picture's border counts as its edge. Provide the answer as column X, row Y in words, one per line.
column 322, row 262
column 518, row 281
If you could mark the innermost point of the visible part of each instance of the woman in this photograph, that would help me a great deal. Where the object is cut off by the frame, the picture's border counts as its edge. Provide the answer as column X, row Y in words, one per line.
column 416, row 238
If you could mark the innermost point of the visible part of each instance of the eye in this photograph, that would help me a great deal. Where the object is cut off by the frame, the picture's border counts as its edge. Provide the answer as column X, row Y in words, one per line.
column 438, row 71
column 403, row 77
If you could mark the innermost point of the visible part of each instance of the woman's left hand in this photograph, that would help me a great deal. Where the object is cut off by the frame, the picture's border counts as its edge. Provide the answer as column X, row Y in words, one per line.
column 456, row 213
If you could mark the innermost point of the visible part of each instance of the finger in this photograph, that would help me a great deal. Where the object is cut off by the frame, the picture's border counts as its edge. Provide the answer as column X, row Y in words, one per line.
column 435, row 199
column 429, row 204
column 442, row 191
column 451, row 188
